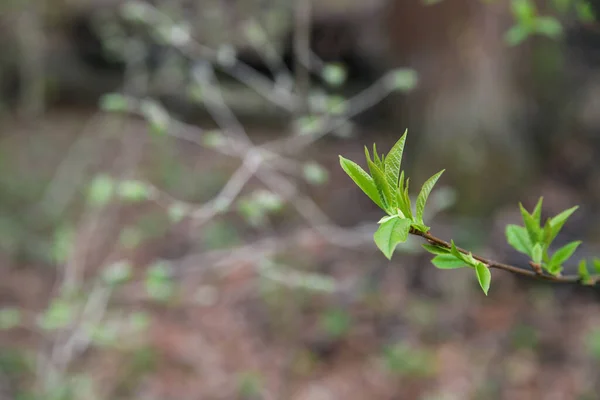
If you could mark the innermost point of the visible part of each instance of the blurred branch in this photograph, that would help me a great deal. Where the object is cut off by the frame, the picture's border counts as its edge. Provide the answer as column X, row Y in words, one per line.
column 302, row 38
column 31, row 44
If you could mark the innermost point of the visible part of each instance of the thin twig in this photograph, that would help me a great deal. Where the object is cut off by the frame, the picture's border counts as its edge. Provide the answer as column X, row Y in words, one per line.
column 493, row 264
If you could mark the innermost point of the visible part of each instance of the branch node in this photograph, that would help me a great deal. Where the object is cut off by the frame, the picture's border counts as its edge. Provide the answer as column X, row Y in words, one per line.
column 536, row 268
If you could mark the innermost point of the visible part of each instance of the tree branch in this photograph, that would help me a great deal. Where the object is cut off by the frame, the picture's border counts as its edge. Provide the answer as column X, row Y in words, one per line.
column 493, row 264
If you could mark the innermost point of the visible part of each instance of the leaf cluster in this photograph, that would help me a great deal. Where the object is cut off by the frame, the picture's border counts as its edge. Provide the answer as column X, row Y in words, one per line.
column 387, row 187
column 535, row 240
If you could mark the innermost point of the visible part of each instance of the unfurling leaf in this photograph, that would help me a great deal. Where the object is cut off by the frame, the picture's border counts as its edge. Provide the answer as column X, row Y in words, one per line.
column 402, row 197
column 518, row 238
column 448, row 261
column 383, row 188
column 424, row 194
column 390, row 234
column 393, row 162
column 362, row 180
column 533, row 229
column 484, row 277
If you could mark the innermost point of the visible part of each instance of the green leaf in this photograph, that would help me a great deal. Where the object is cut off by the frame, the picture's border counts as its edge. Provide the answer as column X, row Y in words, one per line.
column 117, row 273
column 214, row 139
column 336, row 322
column 362, row 180
column 100, row 190
column 390, row 234
column 557, row 222
column 584, row 274
column 533, row 229
column 59, row 314
column 454, row 251
column 134, row 191
column 516, row 35
column 448, row 261
column 178, row 211
column 376, row 160
column 537, row 253
column 403, row 200
column 436, row 249
column 537, row 212
column 10, row 317
column 548, row 26
column 563, row 254
column 402, row 79
column 596, row 264
column 484, row 277
column 523, row 9
column 315, row 174
column 406, row 198
column 156, row 115
column 335, row 74
column 518, row 238
column 63, row 243
column 383, row 188
column 424, row 194
column 114, row 102
column 584, row 11
column 393, row 161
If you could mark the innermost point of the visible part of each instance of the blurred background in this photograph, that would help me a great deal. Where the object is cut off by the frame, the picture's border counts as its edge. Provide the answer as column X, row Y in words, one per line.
column 174, row 222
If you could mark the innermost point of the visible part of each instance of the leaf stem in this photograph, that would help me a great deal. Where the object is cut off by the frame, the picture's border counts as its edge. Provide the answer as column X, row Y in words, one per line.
column 493, row 264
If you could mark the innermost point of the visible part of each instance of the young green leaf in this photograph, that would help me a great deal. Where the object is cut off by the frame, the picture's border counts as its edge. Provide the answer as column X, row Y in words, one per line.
column 424, row 194
column 376, row 160
column 467, row 259
column 334, row 74
column 596, row 264
column 383, row 188
column 421, row 227
column 436, row 249
column 362, row 180
column 548, row 26
column 518, row 238
column 448, row 261
column 402, row 199
column 584, row 274
column 557, row 222
column 533, row 229
column 563, row 254
column 393, row 161
column 516, row 35
column 406, row 198
column 537, row 253
column 390, row 234
column 484, row 276
column 537, row 212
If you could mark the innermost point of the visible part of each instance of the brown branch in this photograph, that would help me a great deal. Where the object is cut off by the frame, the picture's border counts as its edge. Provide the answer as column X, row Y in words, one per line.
column 539, row 274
